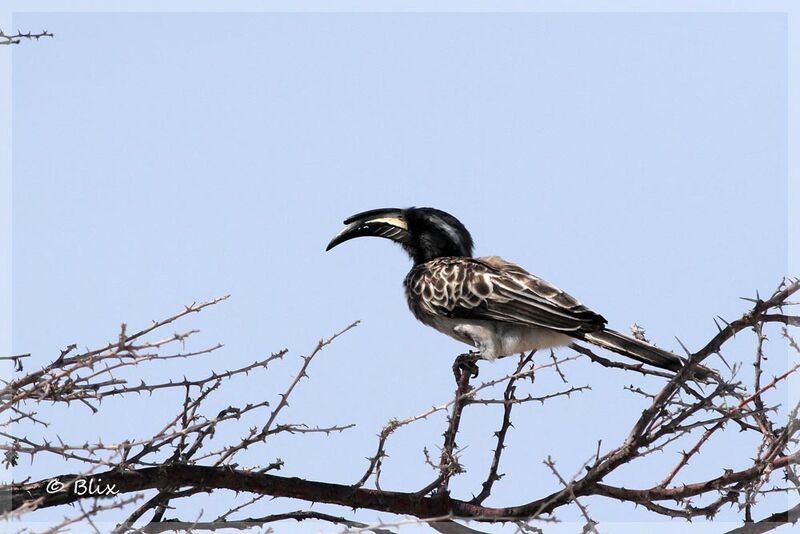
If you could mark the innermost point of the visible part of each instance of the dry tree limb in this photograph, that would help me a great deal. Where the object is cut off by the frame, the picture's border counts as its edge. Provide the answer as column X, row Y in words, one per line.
column 508, row 403
column 770, row 523
column 174, row 462
column 16, row 38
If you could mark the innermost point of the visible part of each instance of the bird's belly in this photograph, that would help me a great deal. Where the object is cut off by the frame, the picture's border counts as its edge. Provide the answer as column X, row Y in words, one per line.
column 495, row 339
column 513, row 339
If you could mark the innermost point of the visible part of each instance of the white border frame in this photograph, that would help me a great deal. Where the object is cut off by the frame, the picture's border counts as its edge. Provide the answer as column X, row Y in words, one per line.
column 790, row 7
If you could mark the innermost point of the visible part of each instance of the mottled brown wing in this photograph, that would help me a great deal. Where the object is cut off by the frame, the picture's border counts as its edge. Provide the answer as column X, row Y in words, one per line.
column 491, row 288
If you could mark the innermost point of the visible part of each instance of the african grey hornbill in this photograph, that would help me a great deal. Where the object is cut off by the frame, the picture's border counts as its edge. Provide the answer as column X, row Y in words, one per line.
column 487, row 302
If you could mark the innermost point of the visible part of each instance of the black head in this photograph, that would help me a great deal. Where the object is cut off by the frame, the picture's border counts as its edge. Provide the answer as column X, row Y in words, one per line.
column 425, row 233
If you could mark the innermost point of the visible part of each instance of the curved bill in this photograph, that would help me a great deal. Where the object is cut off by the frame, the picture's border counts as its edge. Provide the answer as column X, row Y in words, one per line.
column 385, row 222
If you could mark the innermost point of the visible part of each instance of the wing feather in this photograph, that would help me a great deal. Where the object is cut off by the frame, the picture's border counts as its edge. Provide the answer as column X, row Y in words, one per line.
column 494, row 289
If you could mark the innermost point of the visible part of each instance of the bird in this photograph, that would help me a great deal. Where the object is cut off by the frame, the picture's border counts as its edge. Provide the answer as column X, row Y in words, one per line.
column 487, row 302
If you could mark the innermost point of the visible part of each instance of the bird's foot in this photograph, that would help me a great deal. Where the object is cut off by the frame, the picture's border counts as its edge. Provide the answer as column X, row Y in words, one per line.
column 466, row 363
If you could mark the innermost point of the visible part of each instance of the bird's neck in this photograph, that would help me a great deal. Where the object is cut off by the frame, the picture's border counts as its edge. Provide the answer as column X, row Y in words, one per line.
column 424, row 255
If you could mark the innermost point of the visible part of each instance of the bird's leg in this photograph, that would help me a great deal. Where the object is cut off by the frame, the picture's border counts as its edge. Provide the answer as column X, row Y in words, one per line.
column 466, row 363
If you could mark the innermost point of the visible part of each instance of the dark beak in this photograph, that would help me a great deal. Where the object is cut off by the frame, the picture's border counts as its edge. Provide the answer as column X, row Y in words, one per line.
column 385, row 222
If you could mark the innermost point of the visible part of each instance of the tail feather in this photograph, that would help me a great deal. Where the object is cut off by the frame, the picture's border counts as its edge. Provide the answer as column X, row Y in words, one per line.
column 642, row 352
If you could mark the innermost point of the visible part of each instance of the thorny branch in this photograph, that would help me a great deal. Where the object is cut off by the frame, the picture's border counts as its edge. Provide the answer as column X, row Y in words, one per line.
column 178, row 461
column 509, row 400
column 16, row 38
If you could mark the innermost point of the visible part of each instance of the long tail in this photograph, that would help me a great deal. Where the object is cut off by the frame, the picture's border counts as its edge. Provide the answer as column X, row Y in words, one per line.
column 642, row 352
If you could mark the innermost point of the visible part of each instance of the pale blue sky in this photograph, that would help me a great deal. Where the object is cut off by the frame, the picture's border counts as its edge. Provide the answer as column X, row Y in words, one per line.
column 639, row 161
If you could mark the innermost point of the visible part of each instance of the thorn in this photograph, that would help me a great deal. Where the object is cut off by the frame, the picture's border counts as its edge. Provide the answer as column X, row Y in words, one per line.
column 683, row 346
